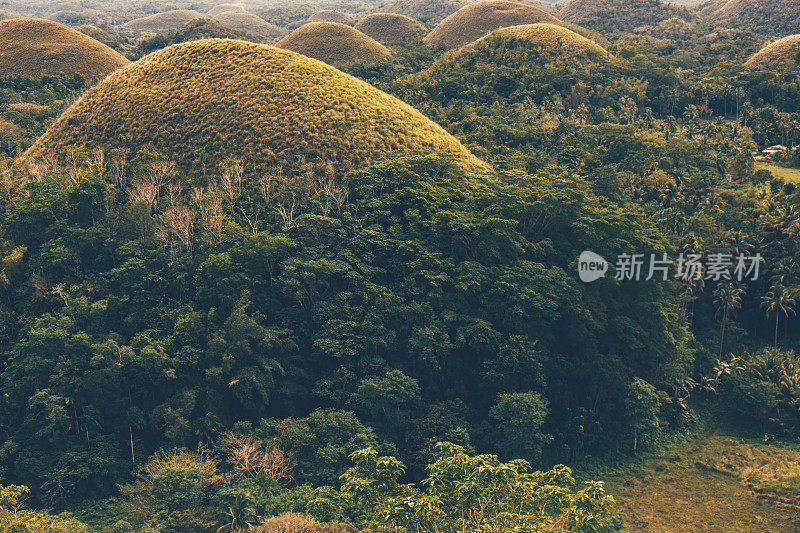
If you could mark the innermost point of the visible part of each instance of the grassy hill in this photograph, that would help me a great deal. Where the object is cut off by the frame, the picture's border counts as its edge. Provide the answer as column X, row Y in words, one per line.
column 225, row 8
column 609, row 16
column 391, row 28
column 332, row 42
column 552, row 40
column 252, row 24
column 332, row 15
column 194, row 30
column 203, row 102
column 476, row 20
column 784, row 52
column 767, row 18
column 427, row 11
column 160, row 22
column 35, row 48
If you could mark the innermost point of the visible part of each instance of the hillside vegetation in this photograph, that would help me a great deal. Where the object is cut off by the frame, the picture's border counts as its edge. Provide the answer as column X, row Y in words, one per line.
column 332, row 15
column 391, row 28
column 160, row 22
column 554, row 41
column 480, row 18
column 194, row 30
column 35, row 48
column 225, row 8
column 609, row 16
column 199, row 103
column 252, row 24
column 767, row 18
column 784, row 52
column 427, row 11
column 332, row 42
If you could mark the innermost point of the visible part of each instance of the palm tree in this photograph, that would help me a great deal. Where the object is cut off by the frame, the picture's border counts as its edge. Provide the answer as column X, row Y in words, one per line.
column 728, row 299
column 778, row 300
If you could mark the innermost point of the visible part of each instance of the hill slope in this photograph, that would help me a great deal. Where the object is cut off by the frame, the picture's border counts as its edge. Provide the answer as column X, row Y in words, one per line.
column 427, row 11
column 169, row 20
column 609, row 16
column 203, row 102
column 332, row 15
column 781, row 17
column 225, row 8
column 553, row 40
column 332, row 42
column 476, row 20
column 252, row 24
column 391, row 28
column 35, row 48
column 784, row 52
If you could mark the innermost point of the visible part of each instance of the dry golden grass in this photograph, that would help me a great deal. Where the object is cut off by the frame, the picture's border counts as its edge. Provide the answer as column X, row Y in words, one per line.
column 391, row 28
column 35, row 48
column 476, row 20
column 252, row 24
column 160, row 22
column 225, row 8
column 332, row 15
column 332, row 42
column 712, row 484
column 204, row 102
column 300, row 523
column 29, row 108
column 781, row 53
column 556, row 40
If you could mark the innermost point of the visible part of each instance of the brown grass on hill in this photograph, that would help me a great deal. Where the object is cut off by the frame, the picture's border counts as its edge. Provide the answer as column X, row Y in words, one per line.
column 476, row 20
column 427, row 11
column 252, row 24
column 29, row 108
column 784, row 52
column 781, row 17
column 36, row 47
column 159, row 22
column 610, row 16
column 225, row 8
column 332, row 42
column 300, row 523
column 391, row 28
column 205, row 102
column 557, row 40
column 332, row 15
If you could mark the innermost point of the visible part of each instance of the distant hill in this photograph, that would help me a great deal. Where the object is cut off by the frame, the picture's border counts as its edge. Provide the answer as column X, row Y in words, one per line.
column 160, row 22
column 287, row 16
column 5, row 14
column 225, row 8
column 784, row 52
column 36, row 47
column 332, row 42
column 484, row 16
column 391, row 28
column 427, row 11
column 76, row 18
column 610, row 16
column 332, row 15
column 252, row 24
column 201, row 103
column 556, row 42
column 773, row 18
column 194, row 30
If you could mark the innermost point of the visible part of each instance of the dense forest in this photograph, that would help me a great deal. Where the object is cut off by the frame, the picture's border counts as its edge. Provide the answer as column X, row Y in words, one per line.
column 344, row 317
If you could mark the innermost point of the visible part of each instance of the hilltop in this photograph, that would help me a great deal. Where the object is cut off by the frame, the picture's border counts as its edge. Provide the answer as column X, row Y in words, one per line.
column 476, row 20
column 203, row 102
column 332, row 42
column 391, row 28
column 332, row 15
column 252, row 24
column 427, row 11
column 784, row 52
column 160, row 22
column 768, row 18
column 225, row 8
column 557, row 42
column 609, row 16
column 36, row 47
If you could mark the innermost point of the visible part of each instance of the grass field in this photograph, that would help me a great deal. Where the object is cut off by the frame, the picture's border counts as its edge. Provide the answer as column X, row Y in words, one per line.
column 786, row 174
column 712, row 484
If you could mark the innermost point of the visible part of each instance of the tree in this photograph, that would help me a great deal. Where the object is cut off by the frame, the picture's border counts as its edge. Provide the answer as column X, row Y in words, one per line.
column 520, row 417
column 776, row 301
column 728, row 299
column 641, row 410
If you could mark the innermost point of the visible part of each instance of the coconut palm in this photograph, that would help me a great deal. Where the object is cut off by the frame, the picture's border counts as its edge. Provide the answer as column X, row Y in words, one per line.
column 778, row 300
column 728, row 299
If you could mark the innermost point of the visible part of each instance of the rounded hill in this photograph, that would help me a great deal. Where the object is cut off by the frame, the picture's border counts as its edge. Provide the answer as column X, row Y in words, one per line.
column 332, row 15
column 767, row 18
column 557, row 42
column 39, row 48
column 427, row 11
column 476, row 20
column 201, row 103
column 391, row 28
column 252, row 24
column 332, row 42
column 609, row 16
column 225, row 8
column 160, row 22
column 784, row 52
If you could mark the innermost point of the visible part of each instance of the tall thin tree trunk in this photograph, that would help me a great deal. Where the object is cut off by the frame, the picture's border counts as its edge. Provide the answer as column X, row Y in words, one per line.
column 130, row 430
column 777, row 317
